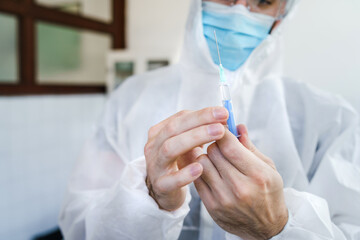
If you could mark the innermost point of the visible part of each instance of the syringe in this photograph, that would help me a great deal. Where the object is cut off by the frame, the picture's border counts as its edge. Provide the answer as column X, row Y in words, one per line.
column 225, row 95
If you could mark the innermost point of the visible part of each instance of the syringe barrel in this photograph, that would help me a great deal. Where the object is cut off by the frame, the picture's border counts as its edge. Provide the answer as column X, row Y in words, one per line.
column 225, row 92
column 227, row 103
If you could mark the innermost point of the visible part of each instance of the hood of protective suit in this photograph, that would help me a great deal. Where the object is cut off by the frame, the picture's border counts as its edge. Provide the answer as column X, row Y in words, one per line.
column 196, row 53
column 264, row 62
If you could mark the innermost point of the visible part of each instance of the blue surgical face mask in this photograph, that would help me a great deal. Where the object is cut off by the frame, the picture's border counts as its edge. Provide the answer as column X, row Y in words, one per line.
column 238, row 31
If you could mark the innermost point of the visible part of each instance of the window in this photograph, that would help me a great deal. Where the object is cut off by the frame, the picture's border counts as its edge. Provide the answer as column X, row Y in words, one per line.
column 57, row 46
column 8, row 52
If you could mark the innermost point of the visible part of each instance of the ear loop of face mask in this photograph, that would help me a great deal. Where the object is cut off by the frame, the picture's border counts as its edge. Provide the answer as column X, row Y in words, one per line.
column 279, row 16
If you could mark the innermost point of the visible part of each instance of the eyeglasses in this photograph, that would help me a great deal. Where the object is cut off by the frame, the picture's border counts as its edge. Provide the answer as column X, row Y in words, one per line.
column 274, row 8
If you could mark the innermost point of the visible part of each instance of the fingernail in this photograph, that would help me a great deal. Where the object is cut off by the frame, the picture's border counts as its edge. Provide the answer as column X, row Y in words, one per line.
column 220, row 113
column 215, row 129
column 195, row 170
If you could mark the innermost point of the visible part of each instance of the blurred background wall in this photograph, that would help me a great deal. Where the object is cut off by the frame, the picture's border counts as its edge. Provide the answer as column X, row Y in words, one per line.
column 322, row 47
column 40, row 139
column 156, row 26
column 41, row 136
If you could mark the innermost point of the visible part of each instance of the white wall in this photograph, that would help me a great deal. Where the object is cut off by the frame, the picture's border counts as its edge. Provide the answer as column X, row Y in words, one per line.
column 156, row 27
column 40, row 140
column 322, row 46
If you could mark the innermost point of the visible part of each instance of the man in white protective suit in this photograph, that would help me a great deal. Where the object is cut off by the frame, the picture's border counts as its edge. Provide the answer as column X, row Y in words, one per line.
column 163, row 165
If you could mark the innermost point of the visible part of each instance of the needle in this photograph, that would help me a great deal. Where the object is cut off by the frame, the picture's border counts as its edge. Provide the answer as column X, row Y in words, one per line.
column 217, row 46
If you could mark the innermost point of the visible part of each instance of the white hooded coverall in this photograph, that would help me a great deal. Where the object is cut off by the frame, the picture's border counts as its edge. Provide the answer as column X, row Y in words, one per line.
column 312, row 137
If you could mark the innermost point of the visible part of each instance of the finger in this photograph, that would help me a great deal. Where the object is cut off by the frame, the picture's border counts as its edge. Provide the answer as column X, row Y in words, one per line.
column 210, row 174
column 239, row 156
column 179, row 179
column 245, row 140
column 183, row 143
column 189, row 157
column 231, row 175
column 191, row 120
column 154, row 130
column 223, row 166
column 204, row 192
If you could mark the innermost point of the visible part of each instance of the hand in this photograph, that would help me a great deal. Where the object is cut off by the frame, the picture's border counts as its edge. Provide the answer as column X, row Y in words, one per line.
column 241, row 188
column 172, row 147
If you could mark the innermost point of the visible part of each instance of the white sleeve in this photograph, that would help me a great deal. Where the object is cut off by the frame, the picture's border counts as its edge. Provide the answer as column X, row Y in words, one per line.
column 309, row 218
column 124, row 211
column 107, row 197
column 330, row 209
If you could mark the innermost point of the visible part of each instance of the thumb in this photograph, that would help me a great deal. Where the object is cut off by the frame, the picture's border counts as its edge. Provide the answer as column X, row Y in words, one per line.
column 181, row 178
column 245, row 140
